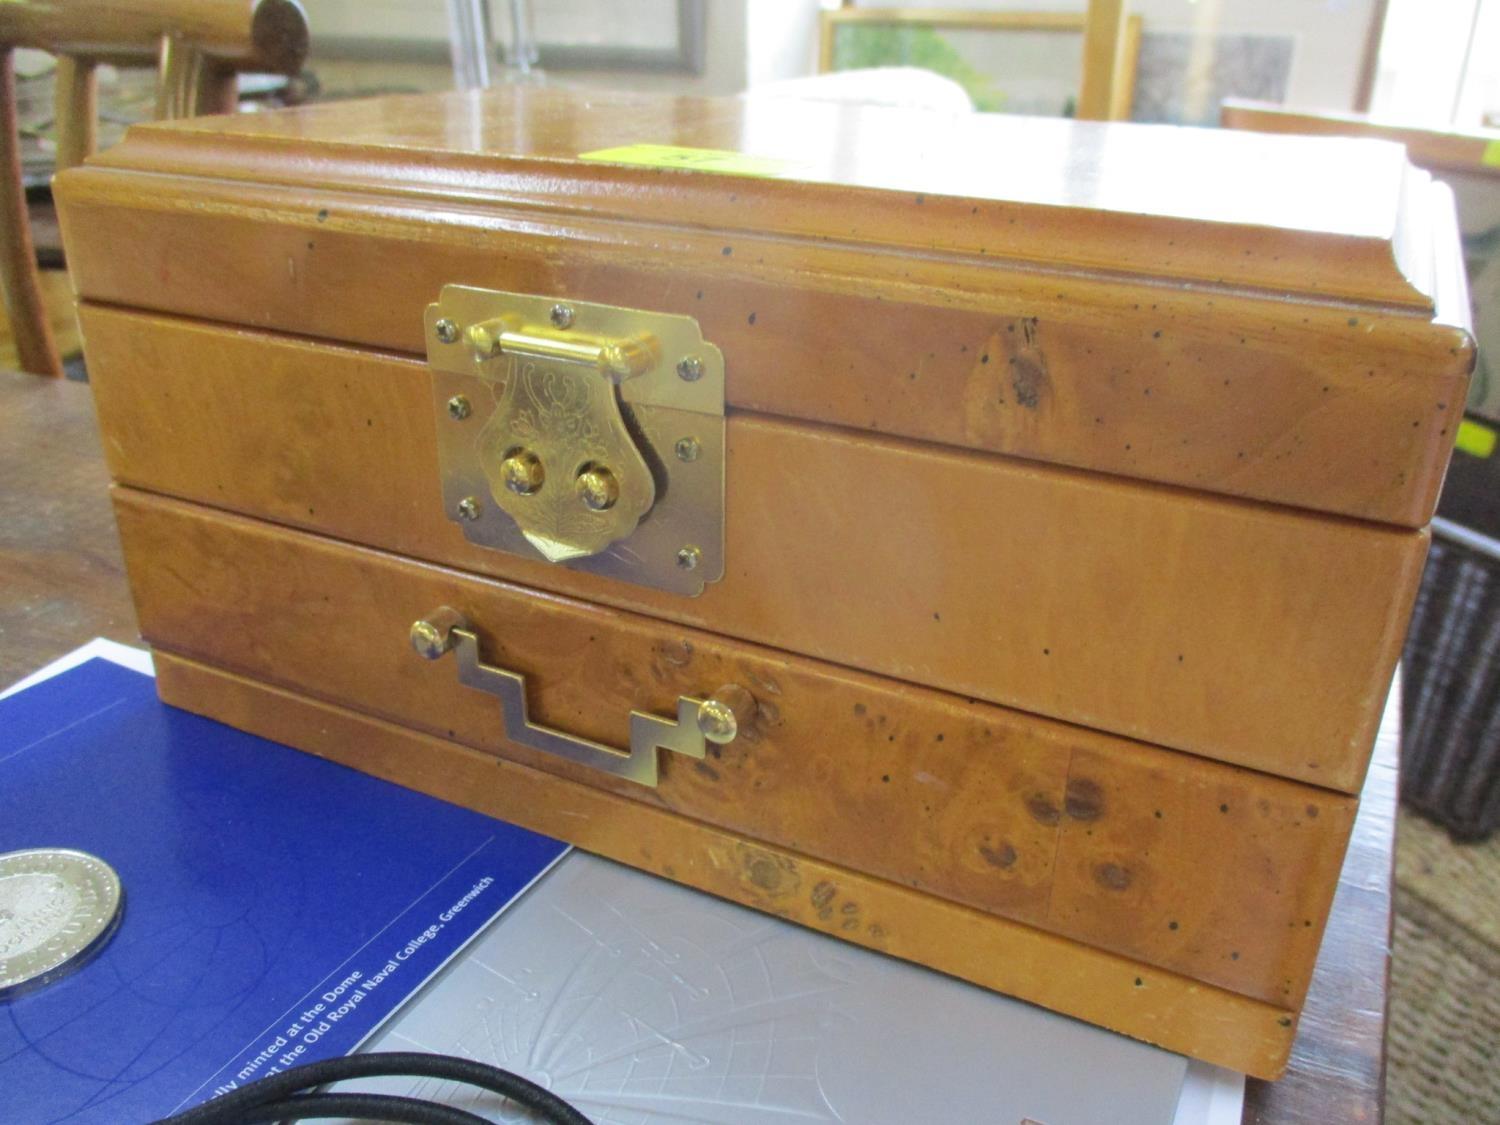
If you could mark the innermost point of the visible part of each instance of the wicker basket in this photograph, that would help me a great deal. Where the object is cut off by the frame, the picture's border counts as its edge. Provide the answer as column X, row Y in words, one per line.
column 1450, row 737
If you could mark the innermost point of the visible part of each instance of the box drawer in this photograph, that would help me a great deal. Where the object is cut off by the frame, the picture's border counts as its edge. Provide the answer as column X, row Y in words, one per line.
column 1080, row 834
column 1176, row 1012
column 1254, row 635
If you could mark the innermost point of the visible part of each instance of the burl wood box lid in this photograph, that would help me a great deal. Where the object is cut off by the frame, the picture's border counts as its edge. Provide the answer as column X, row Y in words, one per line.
column 1133, row 426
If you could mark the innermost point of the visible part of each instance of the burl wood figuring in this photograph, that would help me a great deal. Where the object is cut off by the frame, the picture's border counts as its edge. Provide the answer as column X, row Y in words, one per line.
column 1075, row 492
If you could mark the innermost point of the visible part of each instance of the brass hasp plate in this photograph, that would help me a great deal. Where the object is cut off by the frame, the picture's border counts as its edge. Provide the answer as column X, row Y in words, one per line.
column 582, row 435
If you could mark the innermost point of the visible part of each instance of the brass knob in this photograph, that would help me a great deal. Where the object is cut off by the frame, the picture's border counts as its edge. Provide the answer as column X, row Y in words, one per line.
column 431, row 636
column 722, row 714
column 597, row 488
column 522, row 472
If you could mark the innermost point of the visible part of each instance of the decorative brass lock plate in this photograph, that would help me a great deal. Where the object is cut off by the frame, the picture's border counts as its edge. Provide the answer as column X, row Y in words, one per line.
column 582, row 435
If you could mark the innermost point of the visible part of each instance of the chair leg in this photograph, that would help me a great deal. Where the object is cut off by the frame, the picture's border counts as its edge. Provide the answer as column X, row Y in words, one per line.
column 189, row 84
column 218, row 91
column 179, row 78
column 76, row 110
column 18, row 278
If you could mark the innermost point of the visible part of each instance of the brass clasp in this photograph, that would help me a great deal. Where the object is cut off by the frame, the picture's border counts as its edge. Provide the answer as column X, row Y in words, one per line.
column 580, row 460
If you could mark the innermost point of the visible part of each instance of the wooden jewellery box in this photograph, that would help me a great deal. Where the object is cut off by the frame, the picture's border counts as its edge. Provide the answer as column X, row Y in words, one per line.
column 983, row 539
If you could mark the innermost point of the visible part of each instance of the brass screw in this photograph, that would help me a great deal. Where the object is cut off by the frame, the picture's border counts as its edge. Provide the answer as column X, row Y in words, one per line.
column 690, row 369
column 468, row 508
column 688, row 449
column 597, row 488
column 522, row 472
column 689, row 557
column 562, row 316
column 459, row 408
column 446, row 330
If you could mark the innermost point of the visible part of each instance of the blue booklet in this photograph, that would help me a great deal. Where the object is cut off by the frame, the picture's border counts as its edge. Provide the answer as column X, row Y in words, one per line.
column 277, row 907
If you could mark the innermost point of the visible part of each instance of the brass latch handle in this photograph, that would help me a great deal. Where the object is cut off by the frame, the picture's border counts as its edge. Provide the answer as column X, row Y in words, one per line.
column 617, row 359
column 715, row 719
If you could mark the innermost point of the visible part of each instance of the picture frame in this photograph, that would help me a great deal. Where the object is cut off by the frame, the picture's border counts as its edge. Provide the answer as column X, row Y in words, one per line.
column 935, row 39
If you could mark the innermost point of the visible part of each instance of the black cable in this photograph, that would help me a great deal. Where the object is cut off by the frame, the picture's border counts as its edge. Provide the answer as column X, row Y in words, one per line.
column 310, row 1076
column 360, row 1107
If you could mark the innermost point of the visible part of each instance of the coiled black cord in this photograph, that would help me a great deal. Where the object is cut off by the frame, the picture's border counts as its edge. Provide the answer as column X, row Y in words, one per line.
column 360, row 1107
column 287, row 1096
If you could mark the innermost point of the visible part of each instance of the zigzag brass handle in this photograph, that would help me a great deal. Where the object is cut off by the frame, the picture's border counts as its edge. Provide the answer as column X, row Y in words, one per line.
column 715, row 719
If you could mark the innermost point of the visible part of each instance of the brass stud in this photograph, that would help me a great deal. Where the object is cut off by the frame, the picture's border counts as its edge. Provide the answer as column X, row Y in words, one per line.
column 562, row 316
column 446, row 330
column 522, row 472
column 690, row 369
column 597, row 488
column 469, row 508
column 431, row 636
column 459, row 408
column 716, row 721
column 688, row 449
column 722, row 714
column 689, row 557
column 428, row 640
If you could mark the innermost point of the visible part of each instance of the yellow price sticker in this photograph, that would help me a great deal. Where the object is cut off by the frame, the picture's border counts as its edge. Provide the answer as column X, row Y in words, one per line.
column 1491, row 154
column 1475, row 439
column 724, row 161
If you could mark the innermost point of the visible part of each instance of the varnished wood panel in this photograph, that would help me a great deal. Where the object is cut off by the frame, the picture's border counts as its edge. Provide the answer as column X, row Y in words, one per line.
column 1343, row 409
column 1277, row 213
column 1338, row 1061
column 1243, row 633
column 1093, row 837
column 1171, row 1011
column 1335, row 1069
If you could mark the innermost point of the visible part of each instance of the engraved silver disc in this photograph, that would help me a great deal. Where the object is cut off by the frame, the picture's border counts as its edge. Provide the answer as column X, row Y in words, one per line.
column 56, row 908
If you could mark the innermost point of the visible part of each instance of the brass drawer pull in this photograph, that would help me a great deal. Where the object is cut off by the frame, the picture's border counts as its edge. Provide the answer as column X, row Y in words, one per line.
column 715, row 719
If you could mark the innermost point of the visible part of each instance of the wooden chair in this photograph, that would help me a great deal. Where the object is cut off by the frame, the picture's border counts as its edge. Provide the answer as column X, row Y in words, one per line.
column 199, row 48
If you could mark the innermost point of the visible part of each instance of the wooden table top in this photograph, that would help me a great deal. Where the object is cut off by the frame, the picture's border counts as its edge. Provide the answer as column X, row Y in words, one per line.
column 62, row 582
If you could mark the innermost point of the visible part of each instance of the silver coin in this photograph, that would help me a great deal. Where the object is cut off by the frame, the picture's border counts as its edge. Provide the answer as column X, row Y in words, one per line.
column 57, row 907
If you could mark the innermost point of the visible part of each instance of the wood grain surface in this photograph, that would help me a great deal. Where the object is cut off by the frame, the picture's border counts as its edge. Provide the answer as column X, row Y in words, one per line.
column 1244, row 633
column 1171, row 1011
column 71, row 567
column 62, row 580
column 1337, row 1068
column 1281, row 214
column 1092, row 837
column 1348, row 409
